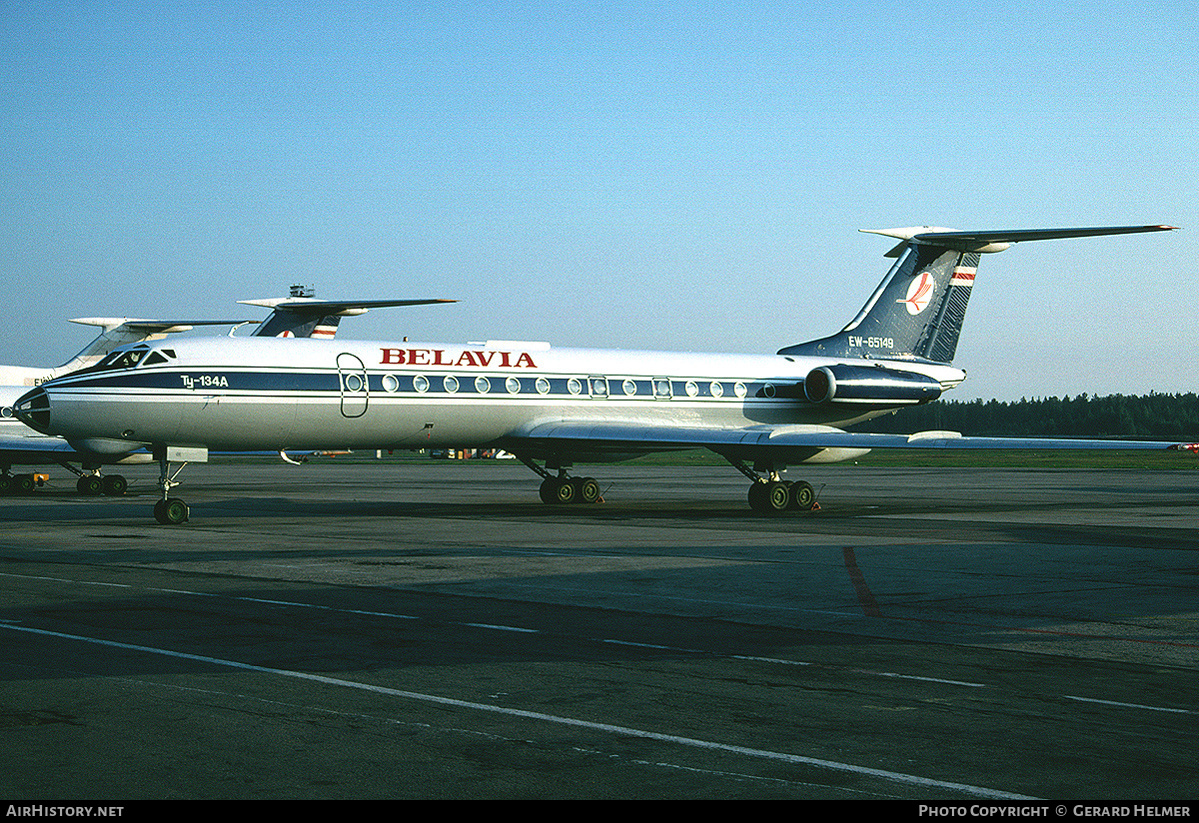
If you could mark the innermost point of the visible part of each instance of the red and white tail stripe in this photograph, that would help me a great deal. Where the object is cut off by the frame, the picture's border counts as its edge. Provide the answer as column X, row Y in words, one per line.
column 963, row 276
column 324, row 331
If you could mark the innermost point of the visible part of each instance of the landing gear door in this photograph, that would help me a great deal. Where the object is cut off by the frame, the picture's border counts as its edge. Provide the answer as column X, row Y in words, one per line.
column 355, row 391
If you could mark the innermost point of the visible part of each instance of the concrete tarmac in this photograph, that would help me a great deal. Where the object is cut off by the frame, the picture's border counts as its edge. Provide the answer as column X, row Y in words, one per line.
column 405, row 629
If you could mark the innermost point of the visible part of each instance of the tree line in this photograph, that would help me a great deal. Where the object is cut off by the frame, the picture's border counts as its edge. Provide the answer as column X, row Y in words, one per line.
column 1154, row 416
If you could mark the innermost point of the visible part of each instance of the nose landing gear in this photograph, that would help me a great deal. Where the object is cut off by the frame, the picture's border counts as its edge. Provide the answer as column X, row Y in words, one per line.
column 169, row 511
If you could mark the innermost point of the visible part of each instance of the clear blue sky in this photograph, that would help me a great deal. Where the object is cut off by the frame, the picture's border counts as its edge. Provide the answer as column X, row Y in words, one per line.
column 665, row 175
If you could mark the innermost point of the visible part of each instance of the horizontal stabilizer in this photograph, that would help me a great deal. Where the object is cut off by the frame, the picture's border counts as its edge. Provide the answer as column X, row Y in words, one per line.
column 993, row 241
column 303, row 316
column 323, row 307
column 153, row 326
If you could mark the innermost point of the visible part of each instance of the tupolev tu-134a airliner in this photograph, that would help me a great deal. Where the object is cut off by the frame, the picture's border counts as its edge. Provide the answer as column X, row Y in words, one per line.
column 553, row 407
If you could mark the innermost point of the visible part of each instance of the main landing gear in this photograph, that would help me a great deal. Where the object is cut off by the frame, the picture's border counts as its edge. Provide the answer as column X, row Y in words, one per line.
column 771, row 495
column 561, row 488
column 169, row 511
column 768, row 495
column 17, row 483
column 779, row 496
column 92, row 484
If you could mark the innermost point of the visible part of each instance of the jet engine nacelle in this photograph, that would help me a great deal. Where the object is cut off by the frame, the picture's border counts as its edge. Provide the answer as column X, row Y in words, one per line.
column 869, row 384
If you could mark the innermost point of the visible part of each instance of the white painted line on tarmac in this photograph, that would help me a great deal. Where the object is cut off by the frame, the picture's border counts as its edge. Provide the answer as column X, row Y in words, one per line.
column 1127, row 705
column 522, row 630
column 502, row 628
column 911, row 780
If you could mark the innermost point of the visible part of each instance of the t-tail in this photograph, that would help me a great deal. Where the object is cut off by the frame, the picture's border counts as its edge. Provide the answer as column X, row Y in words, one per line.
column 302, row 315
column 917, row 311
column 114, row 332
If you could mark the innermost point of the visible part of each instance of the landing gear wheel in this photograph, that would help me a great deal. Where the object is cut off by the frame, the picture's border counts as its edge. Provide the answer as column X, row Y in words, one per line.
column 803, row 496
column 171, row 512
column 770, row 497
column 556, row 490
column 6, row 483
column 586, row 489
column 757, row 497
column 115, row 485
column 564, row 490
column 90, row 485
column 24, row 484
column 778, row 496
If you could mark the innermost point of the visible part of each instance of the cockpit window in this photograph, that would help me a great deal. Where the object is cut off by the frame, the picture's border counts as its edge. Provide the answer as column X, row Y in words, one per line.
column 123, row 359
column 153, row 358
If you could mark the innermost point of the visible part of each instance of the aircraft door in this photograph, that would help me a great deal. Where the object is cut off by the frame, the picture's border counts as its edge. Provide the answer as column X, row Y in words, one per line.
column 355, row 391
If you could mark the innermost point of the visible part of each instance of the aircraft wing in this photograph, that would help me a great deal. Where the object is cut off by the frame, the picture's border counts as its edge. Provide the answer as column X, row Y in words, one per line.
column 34, row 448
column 37, row 449
column 796, row 443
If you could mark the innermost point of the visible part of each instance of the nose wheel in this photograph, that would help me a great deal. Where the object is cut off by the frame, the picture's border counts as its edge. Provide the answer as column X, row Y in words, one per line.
column 169, row 511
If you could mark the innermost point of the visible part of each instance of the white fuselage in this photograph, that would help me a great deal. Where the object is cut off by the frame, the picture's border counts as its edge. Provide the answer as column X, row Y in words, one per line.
column 259, row 394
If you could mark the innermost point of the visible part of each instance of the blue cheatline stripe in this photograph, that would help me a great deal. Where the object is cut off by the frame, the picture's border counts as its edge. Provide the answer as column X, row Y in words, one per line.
column 385, row 383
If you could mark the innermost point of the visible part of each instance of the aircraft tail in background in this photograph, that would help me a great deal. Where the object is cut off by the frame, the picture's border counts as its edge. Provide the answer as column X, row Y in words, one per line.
column 302, row 315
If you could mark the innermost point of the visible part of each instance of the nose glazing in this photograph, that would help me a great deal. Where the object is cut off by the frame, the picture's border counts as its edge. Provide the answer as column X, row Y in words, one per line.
column 33, row 409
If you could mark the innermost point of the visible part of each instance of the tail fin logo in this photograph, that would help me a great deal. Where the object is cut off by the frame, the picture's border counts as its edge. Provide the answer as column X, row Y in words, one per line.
column 919, row 293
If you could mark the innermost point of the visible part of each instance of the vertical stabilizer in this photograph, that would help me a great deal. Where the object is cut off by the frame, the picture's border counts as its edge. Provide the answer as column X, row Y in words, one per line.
column 918, row 310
